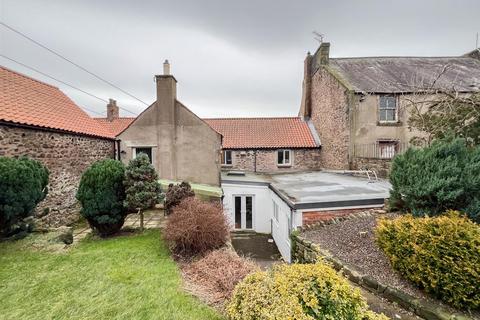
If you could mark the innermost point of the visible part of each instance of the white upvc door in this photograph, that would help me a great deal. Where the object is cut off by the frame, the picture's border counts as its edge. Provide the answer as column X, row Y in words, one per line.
column 243, row 213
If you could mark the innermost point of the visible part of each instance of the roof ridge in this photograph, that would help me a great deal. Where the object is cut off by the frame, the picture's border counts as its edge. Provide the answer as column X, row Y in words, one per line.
column 252, row 118
column 29, row 77
column 391, row 57
column 103, row 118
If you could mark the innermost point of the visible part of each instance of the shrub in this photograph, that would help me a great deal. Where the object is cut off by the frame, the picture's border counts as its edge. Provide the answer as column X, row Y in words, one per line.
column 218, row 273
column 298, row 291
column 434, row 179
column 23, row 184
column 176, row 193
column 439, row 254
column 196, row 227
column 101, row 193
column 141, row 184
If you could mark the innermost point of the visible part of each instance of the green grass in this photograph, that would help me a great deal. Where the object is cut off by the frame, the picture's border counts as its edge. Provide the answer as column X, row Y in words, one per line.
column 129, row 277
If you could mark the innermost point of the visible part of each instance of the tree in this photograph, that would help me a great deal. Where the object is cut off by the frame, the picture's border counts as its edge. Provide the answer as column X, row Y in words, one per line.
column 438, row 111
column 142, row 188
column 101, row 193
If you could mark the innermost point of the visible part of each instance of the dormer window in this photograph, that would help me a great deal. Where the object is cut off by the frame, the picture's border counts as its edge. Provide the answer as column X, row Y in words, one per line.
column 387, row 109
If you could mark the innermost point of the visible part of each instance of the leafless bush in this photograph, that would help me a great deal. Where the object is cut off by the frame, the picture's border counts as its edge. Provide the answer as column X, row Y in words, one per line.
column 176, row 193
column 214, row 276
column 195, row 227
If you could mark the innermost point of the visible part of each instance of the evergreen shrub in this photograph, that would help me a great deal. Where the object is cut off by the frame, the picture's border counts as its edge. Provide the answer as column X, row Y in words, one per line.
column 298, row 291
column 23, row 184
column 101, row 194
column 439, row 254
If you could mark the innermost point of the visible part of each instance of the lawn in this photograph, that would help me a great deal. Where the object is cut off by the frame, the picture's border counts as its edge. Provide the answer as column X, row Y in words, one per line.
column 127, row 277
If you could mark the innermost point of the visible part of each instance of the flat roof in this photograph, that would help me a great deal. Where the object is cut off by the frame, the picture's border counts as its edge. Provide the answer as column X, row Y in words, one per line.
column 319, row 189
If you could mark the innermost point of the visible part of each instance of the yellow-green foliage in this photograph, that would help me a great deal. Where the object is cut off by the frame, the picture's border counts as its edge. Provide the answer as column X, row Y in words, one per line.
column 440, row 254
column 298, row 291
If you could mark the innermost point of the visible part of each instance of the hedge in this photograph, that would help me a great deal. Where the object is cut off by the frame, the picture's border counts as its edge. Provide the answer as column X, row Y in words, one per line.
column 439, row 254
column 23, row 184
column 298, row 291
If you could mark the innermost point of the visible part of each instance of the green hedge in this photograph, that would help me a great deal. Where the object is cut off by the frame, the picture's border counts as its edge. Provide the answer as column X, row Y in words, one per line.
column 23, row 184
column 101, row 194
column 298, row 291
column 438, row 178
column 439, row 254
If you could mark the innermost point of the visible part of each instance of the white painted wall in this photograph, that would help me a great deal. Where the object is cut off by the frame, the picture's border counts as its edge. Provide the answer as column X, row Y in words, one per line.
column 281, row 228
column 262, row 204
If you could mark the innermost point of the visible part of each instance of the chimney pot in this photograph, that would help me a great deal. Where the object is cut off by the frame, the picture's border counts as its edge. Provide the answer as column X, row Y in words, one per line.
column 166, row 68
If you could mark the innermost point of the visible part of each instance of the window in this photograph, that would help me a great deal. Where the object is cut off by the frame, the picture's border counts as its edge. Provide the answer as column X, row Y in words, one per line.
column 283, row 158
column 227, row 157
column 275, row 210
column 387, row 149
column 147, row 151
column 387, row 109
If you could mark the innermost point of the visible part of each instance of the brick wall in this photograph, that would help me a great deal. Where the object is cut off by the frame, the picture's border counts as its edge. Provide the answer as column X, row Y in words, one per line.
column 66, row 156
column 329, row 99
column 311, row 217
column 266, row 160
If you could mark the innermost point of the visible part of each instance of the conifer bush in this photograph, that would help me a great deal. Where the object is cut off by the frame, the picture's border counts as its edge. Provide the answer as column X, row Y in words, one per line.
column 23, row 184
column 439, row 254
column 196, row 227
column 176, row 193
column 101, row 194
column 434, row 179
column 142, row 188
column 298, row 291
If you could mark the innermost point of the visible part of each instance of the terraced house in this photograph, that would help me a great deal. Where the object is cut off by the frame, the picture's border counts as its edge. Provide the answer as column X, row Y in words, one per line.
column 360, row 106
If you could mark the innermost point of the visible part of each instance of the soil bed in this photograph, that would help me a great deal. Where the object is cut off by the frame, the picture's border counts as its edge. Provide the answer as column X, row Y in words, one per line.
column 353, row 242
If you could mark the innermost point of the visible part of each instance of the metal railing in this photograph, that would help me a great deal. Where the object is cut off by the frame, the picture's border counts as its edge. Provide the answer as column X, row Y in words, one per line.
column 380, row 150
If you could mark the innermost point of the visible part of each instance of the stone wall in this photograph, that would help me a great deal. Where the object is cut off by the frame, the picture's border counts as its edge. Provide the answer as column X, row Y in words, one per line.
column 380, row 166
column 266, row 161
column 66, row 156
column 330, row 116
column 310, row 217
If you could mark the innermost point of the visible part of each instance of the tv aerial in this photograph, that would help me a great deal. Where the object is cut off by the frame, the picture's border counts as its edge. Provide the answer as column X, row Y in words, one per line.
column 318, row 36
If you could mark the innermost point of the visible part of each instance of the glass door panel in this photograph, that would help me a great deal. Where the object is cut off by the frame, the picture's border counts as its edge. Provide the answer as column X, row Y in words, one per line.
column 248, row 212
column 238, row 212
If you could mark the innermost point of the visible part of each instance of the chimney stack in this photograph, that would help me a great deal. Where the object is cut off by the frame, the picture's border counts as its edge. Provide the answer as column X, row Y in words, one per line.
column 306, row 104
column 166, row 95
column 112, row 110
column 323, row 53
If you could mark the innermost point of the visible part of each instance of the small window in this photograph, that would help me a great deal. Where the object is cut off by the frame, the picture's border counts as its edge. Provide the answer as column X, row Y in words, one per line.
column 147, row 151
column 275, row 210
column 227, row 157
column 387, row 149
column 283, row 158
column 387, row 109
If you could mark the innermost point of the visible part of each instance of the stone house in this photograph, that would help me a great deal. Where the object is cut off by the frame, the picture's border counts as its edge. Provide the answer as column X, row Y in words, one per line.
column 359, row 106
column 268, row 145
column 180, row 145
column 39, row 121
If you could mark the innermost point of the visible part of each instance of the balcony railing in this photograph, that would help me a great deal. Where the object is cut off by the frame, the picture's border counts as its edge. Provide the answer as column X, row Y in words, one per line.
column 380, row 150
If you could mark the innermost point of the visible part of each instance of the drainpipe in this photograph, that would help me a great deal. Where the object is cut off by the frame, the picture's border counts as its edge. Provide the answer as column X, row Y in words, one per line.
column 254, row 160
column 118, row 150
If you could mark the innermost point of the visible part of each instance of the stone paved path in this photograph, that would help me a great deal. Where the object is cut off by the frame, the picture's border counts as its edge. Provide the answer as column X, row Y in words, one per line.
column 153, row 219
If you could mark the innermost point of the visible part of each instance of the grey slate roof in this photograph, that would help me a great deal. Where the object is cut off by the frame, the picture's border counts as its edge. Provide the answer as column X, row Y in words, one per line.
column 408, row 74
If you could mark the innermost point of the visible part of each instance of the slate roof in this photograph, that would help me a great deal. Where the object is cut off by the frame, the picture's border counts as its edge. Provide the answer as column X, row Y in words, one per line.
column 407, row 74
column 26, row 101
column 117, row 125
column 259, row 133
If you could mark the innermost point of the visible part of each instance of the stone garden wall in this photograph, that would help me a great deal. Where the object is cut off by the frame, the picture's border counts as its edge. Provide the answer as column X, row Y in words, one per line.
column 66, row 156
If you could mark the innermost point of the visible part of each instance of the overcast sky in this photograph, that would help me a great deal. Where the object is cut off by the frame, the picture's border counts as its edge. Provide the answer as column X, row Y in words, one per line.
column 231, row 58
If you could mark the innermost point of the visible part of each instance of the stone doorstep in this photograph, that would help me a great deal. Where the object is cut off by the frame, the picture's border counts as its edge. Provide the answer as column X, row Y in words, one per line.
column 420, row 307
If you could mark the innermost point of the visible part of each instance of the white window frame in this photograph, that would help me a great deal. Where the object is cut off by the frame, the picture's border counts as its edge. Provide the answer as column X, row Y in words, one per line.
column 284, row 164
column 134, row 152
column 384, row 110
column 224, row 158
column 276, row 209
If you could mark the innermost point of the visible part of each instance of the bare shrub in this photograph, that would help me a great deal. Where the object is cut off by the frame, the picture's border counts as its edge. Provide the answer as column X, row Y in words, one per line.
column 176, row 193
column 195, row 227
column 214, row 276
